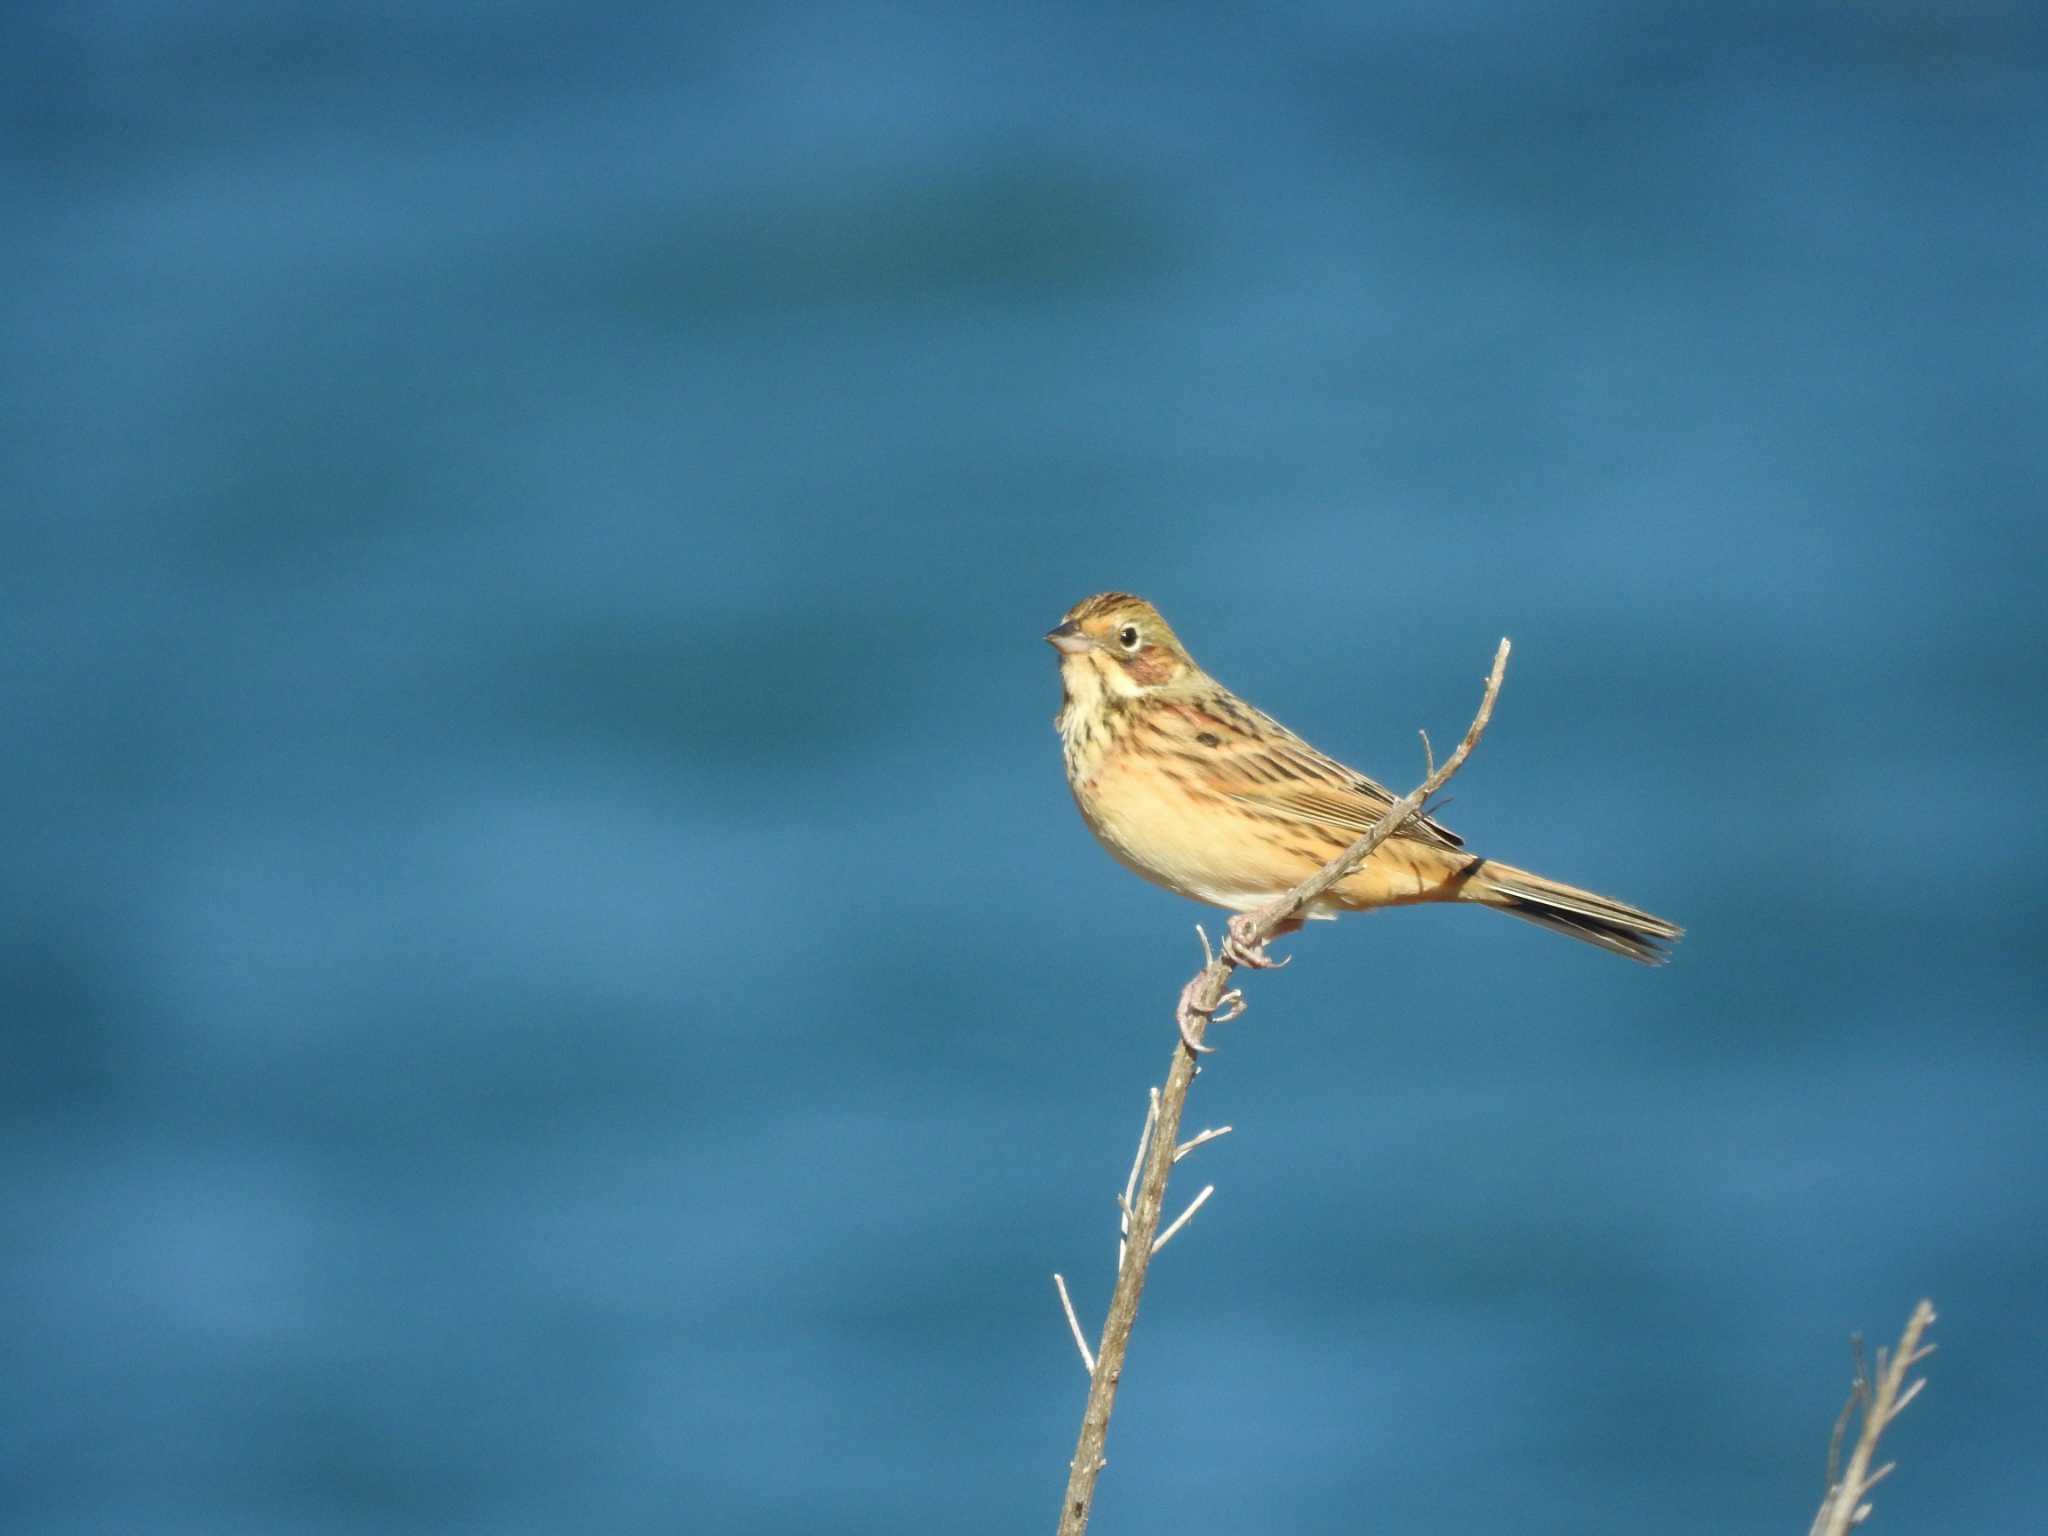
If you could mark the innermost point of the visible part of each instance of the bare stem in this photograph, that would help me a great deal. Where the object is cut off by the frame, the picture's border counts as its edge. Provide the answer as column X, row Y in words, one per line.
column 1882, row 1401
column 1205, row 995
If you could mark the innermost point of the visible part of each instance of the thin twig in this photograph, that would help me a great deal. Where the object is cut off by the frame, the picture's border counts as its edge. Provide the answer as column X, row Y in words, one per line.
column 1184, row 1217
column 1882, row 1401
column 1073, row 1322
column 1130, row 1194
column 1905, row 1397
column 1312, row 889
column 1205, row 996
column 1195, row 1141
column 1857, row 1387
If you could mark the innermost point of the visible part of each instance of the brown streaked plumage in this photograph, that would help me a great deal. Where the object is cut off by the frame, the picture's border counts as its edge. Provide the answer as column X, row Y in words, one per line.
column 1191, row 787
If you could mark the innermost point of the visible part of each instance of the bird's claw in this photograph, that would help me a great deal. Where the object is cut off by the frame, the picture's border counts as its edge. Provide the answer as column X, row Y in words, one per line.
column 1239, row 950
column 1188, row 1011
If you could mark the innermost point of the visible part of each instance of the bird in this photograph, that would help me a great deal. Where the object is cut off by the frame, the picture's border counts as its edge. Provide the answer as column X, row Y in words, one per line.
column 1196, row 790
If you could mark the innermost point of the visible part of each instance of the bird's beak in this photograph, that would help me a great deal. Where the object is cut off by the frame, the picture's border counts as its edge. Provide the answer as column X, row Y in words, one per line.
column 1068, row 639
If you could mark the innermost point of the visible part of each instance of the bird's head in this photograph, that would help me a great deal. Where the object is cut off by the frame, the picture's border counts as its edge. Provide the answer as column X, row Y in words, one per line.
column 1116, row 646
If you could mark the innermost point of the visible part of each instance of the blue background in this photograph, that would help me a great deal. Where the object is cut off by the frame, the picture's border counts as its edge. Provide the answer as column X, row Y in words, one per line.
column 551, row 978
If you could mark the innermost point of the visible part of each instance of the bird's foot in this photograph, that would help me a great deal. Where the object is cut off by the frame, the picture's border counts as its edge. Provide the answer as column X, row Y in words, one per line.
column 1186, row 1013
column 1190, row 1009
column 1238, row 948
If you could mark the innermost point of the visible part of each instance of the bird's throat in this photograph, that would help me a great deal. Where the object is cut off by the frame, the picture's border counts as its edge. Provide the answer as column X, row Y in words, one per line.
column 1088, row 719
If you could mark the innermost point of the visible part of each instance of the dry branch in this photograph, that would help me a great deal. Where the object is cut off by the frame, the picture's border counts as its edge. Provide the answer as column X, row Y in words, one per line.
column 1208, row 991
column 1847, row 1503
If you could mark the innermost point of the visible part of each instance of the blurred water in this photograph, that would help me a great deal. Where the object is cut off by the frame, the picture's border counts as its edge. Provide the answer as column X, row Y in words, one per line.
column 552, row 977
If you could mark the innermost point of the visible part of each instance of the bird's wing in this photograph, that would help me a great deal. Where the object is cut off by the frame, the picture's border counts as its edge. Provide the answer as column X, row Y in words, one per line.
column 1257, row 761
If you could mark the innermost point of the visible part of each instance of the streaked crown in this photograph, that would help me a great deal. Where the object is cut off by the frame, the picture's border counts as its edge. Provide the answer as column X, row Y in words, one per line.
column 1107, row 616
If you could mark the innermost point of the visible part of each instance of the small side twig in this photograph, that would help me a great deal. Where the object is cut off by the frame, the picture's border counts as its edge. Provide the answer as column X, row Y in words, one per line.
column 1144, row 1198
column 1125, row 1208
column 1184, row 1217
column 1859, row 1389
column 1882, row 1400
column 1073, row 1322
column 1197, row 1140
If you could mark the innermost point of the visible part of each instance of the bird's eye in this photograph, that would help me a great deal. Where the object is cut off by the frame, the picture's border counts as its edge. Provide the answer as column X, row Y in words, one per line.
column 1127, row 637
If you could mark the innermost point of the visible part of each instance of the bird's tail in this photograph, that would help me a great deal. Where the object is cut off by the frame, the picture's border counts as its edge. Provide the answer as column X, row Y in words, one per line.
column 1613, row 925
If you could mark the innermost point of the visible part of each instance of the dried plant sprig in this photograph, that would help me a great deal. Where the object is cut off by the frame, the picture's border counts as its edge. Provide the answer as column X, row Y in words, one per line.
column 1882, row 1399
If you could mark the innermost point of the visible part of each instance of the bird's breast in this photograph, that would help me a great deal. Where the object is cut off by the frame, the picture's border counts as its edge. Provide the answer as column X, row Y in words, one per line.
column 1155, row 813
